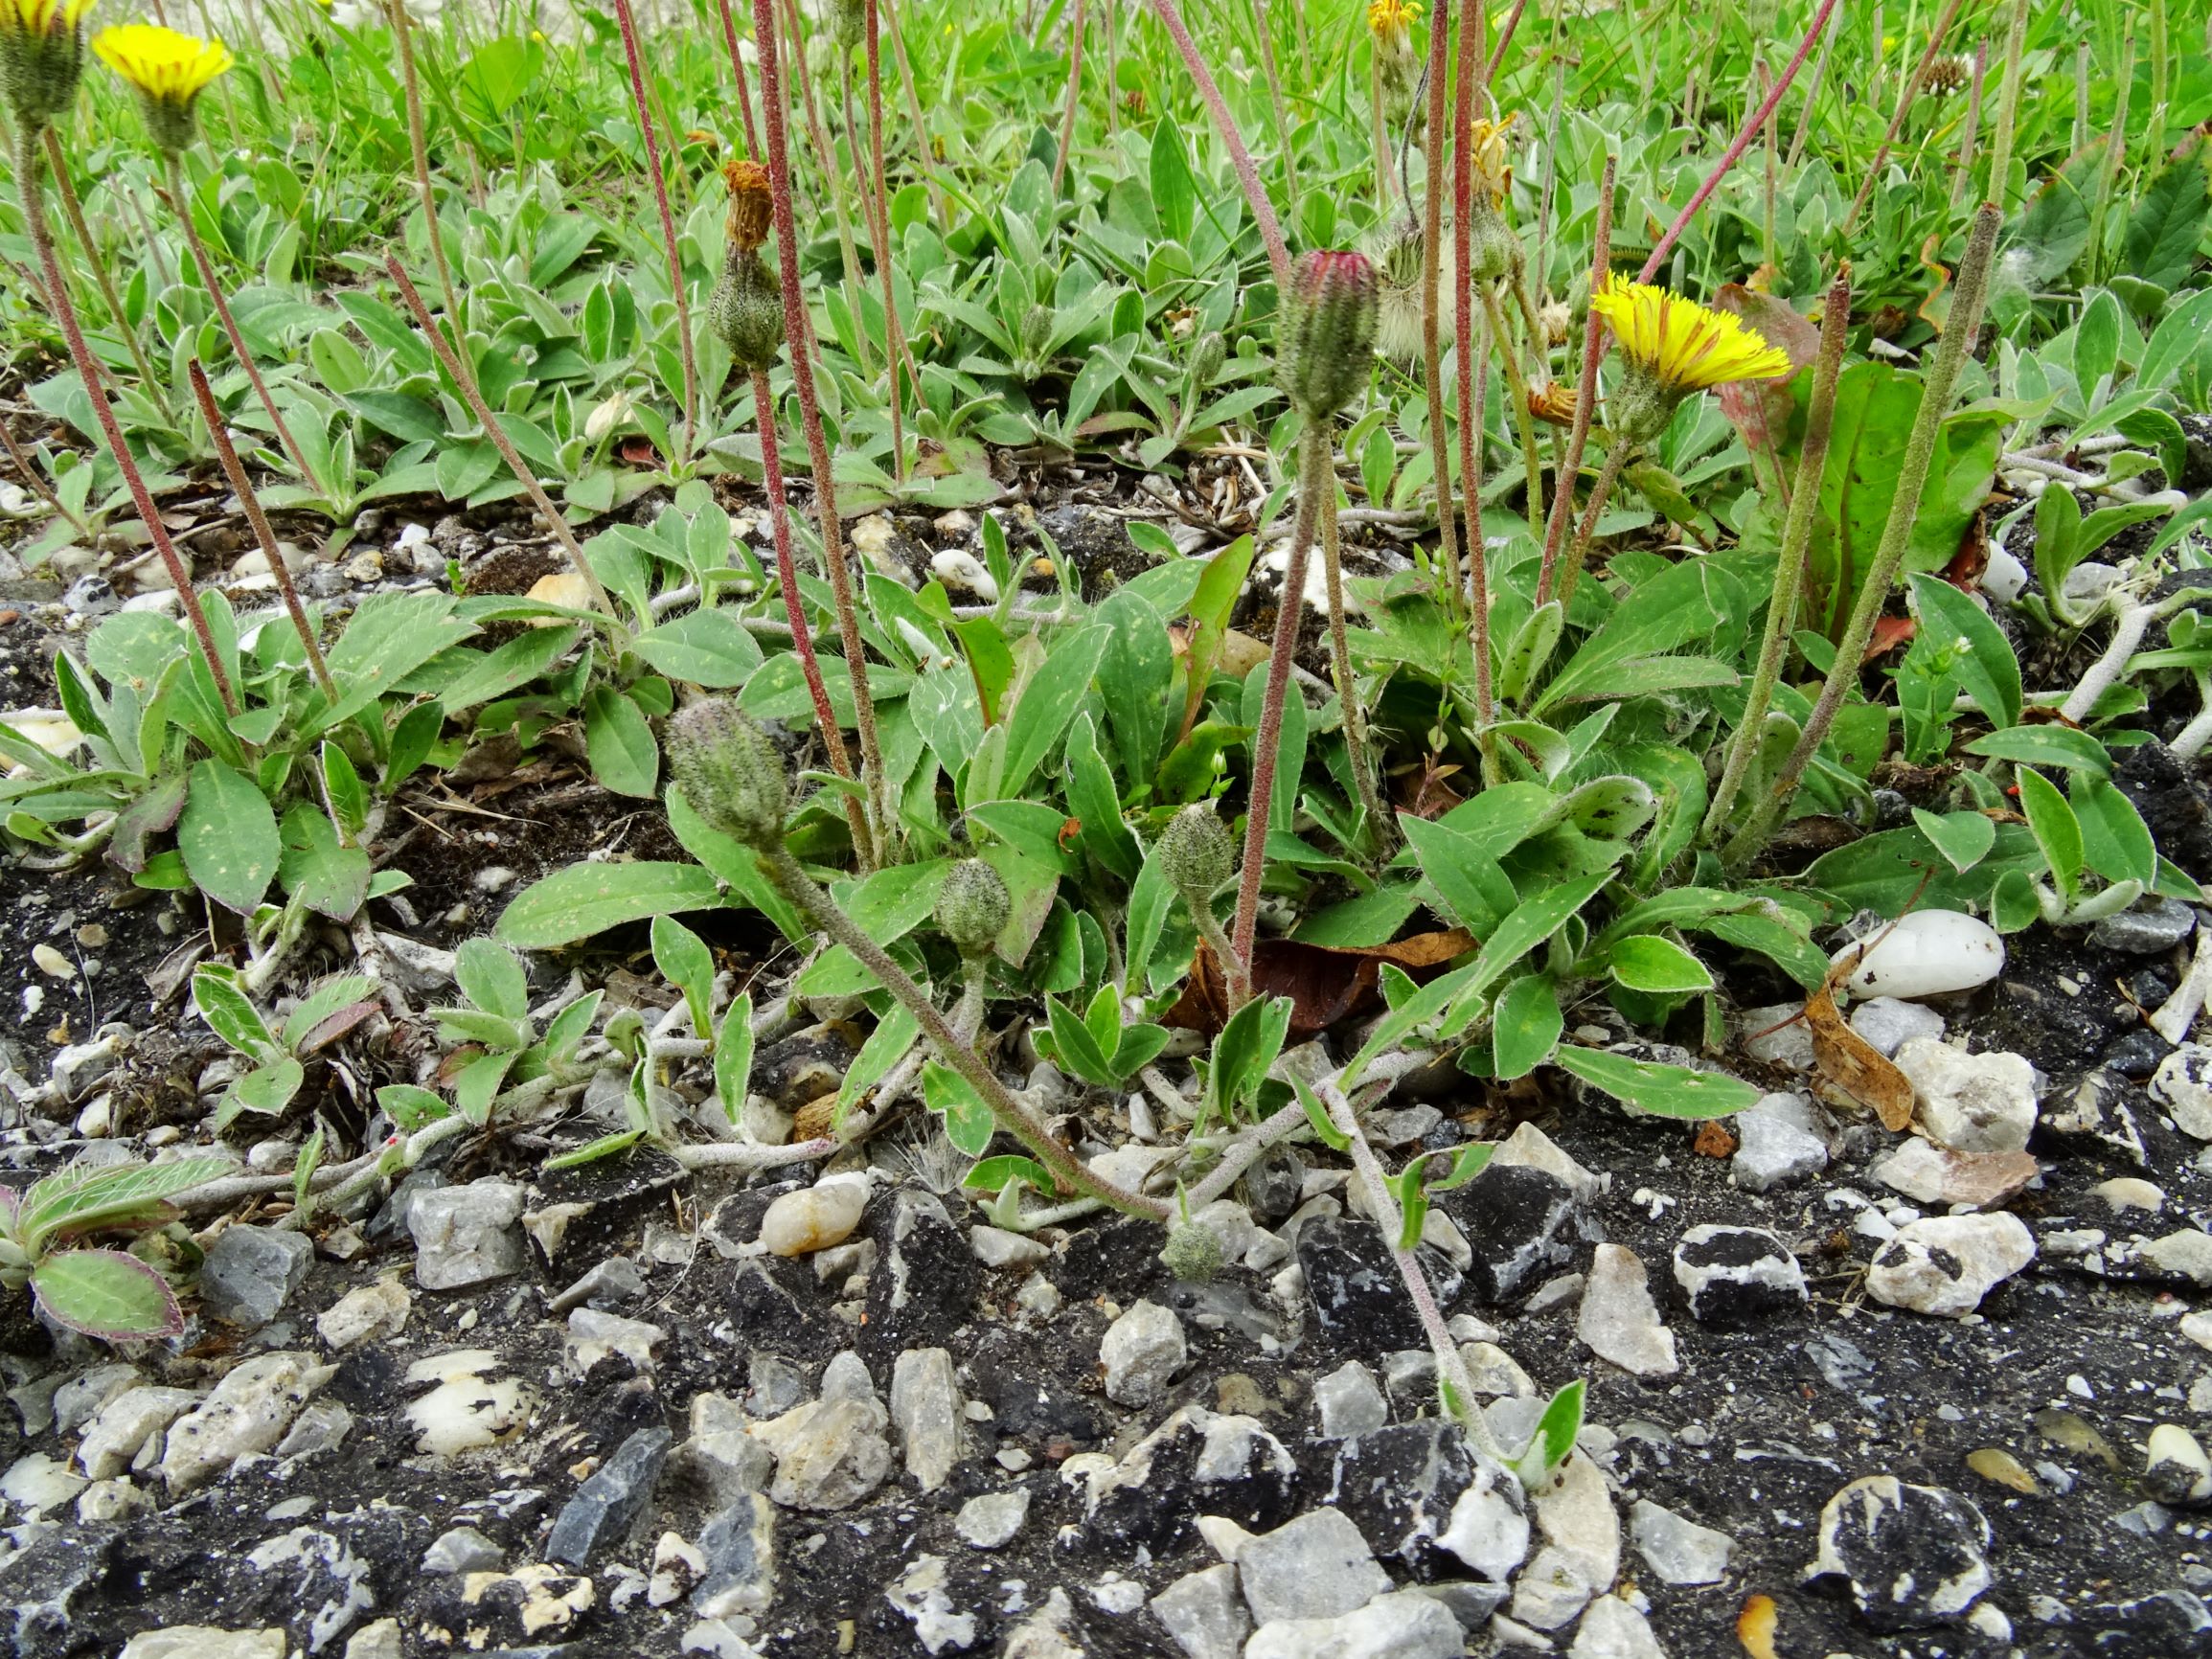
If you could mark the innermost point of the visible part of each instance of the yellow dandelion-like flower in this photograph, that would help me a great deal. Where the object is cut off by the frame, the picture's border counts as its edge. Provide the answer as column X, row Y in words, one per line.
column 160, row 62
column 1487, row 146
column 1391, row 19
column 1684, row 345
column 41, row 56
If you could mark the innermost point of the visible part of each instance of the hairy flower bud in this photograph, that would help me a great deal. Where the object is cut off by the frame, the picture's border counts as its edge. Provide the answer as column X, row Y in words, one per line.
column 1036, row 332
column 1327, row 344
column 972, row 907
column 746, row 309
column 729, row 771
column 1196, row 853
column 1192, row 1254
column 1207, row 357
column 41, row 57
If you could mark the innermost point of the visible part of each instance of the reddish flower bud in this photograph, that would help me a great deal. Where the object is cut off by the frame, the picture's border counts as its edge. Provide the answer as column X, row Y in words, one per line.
column 1326, row 346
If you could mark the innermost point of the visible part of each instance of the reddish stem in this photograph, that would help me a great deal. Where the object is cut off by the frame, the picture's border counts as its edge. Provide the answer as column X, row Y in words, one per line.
column 787, row 580
column 797, row 333
column 235, row 470
column 1431, row 272
column 1735, row 150
column 738, row 71
column 1074, row 92
column 1240, row 158
column 879, row 200
column 1470, row 390
column 1585, row 393
column 668, row 223
column 88, row 370
column 1504, row 39
column 1896, row 117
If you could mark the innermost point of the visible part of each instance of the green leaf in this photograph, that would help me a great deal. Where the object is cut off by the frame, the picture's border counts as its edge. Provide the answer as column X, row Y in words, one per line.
column 2045, row 746
column 1074, row 1047
column 1647, row 963
column 568, row 1028
column 993, row 1174
column 1134, row 680
column 1525, row 1026
column 2055, row 828
column 1245, row 1047
column 1662, row 1090
column 734, row 1056
column 2115, row 842
column 387, row 638
column 79, row 1199
column 1964, row 838
column 490, row 977
column 2166, row 226
column 303, row 1031
column 228, row 837
column 1174, row 193
column 891, row 903
column 349, row 795
column 1093, row 800
column 411, row 1108
column 968, row 1122
column 1660, row 615
column 582, row 900
column 1887, row 871
column 708, row 648
column 886, row 1046
column 219, row 993
column 1048, row 702
column 1555, row 1435
column 624, row 756
column 686, row 963
column 328, row 877
column 1990, row 673
column 1317, row 1117
column 477, row 1085
column 591, row 1152
column 506, row 670
column 267, row 1091
column 106, row 1294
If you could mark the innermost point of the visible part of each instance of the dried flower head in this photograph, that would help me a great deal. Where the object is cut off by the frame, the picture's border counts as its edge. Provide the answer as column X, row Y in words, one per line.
column 1946, row 76
column 168, row 71
column 41, row 56
column 1553, row 404
column 1398, row 329
column 752, row 202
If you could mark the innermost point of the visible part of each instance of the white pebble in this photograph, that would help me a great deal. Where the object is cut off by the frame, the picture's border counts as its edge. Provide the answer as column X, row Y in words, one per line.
column 1928, row 953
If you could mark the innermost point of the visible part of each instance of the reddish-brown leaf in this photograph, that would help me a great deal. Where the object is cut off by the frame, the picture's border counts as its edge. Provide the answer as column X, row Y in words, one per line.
column 1324, row 982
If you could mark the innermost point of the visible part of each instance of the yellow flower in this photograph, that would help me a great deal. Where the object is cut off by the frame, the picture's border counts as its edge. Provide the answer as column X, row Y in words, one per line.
column 160, row 62
column 1392, row 16
column 168, row 71
column 1682, row 345
column 1486, row 145
column 40, row 16
column 41, row 56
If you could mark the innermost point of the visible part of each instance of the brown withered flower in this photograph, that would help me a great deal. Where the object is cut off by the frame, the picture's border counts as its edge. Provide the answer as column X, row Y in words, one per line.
column 752, row 205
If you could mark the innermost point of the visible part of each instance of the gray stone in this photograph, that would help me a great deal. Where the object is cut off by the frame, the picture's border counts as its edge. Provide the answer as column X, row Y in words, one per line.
column 2182, row 1085
column 594, row 1336
column 1732, row 1277
column 377, row 1641
column 318, row 1579
column 76, row 1402
column 1772, row 1151
column 1777, row 1035
column 2186, row 1254
column 925, row 1410
column 1406, row 1625
column 1678, row 1549
column 39, row 1483
column 246, row 1412
column 1142, row 1350
column 1619, row 1321
column 1044, row 1634
column 1204, row 1613
column 616, row 1280
column 1971, row 1102
column 610, row 1501
column 1911, row 1557
column 1417, row 1488
column 377, row 1309
column 830, row 1452
column 1580, row 1555
column 207, row 1642
column 1318, row 1566
column 322, row 1426
column 2153, row 924
column 995, row 1247
column 1888, row 1024
column 467, row 1236
column 720, row 1455
column 1471, row 1601
column 1945, row 1264
column 991, row 1520
column 1350, row 1401
column 1613, row 1629
column 740, row 1549
column 920, row 1594
column 113, row 1441
column 250, row 1273
column 461, row 1550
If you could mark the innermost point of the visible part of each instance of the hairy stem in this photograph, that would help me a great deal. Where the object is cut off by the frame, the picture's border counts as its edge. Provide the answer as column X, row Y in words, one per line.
column 2000, row 165
column 1905, row 98
column 677, row 286
column 1381, row 828
column 880, row 199
column 1074, row 93
column 227, row 453
column 1586, row 395
column 35, row 225
column 1312, row 480
column 1796, row 537
column 1737, row 146
column 418, row 144
column 1970, row 290
column 37, row 482
column 787, row 580
column 1240, row 158
column 866, row 846
column 1579, row 551
column 229, row 328
column 1265, row 28
column 500, row 441
column 738, row 73
column 1068, row 1171
column 1516, row 387
column 1431, row 285
column 1470, row 388
column 74, row 212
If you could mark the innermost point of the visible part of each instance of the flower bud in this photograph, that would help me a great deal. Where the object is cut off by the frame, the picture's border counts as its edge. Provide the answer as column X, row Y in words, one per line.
column 1036, row 332
column 729, row 771
column 746, row 309
column 1192, row 1254
column 41, row 57
column 1196, row 855
column 1207, row 357
column 1327, row 344
column 972, row 907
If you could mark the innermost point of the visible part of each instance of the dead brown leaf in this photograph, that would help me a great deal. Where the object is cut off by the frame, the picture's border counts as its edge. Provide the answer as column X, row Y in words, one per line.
column 1323, row 982
column 1850, row 1065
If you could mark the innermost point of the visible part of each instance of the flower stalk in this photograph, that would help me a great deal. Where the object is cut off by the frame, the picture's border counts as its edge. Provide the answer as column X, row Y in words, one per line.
column 1240, row 158
column 1970, row 290
column 464, row 370
column 1562, row 507
column 1431, row 285
column 243, row 487
column 474, row 395
column 74, row 212
column 878, row 196
column 1905, row 99
column 1471, row 42
column 738, row 73
column 1789, row 572
column 677, row 286
column 873, row 845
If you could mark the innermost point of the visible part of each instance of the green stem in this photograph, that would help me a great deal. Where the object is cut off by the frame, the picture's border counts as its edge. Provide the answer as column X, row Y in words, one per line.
column 2008, row 104
column 1608, row 475
column 1516, row 388
column 1971, row 288
column 1431, row 287
column 1067, row 1169
column 1379, row 826
column 1796, row 537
